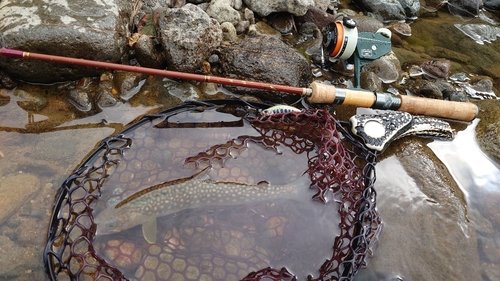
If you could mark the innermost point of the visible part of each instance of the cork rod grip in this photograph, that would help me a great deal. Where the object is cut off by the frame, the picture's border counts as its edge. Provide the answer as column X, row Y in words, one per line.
column 322, row 93
column 464, row 111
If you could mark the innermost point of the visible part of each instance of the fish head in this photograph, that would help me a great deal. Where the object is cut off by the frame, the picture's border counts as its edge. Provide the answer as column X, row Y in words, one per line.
column 114, row 220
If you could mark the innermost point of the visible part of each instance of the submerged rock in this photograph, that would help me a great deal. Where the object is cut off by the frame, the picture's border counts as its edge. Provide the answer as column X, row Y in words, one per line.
column 488, row 130
column 31, row 98
column 15, row 190
column 81, row 29
column 17, row 261
column 425, row 218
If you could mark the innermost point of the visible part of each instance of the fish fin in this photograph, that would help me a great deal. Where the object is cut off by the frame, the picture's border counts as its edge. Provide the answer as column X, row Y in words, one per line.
column 203, row 175
column 149, row 230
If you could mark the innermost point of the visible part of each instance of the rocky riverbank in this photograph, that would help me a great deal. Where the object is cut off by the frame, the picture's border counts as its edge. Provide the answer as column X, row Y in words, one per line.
column 277, row 41
column 251, row 40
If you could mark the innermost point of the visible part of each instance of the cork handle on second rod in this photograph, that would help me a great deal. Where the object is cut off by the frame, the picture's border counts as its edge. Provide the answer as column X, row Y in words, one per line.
column 463, row 111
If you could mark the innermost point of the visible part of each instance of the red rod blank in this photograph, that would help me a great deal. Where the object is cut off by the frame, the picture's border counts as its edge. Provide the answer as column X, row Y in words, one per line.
column 152, row 71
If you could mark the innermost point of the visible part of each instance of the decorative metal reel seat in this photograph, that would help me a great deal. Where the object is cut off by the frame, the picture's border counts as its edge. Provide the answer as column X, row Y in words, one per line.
column 220, row 241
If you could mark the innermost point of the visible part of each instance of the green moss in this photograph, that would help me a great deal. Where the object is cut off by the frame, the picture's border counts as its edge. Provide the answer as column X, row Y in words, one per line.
column 424, row 39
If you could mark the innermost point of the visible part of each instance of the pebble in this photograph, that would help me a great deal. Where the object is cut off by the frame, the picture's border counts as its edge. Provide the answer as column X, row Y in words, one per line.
column 31, row 99
column 436, row 68
column 80, row 99
column 282, row 22
column 228, row 32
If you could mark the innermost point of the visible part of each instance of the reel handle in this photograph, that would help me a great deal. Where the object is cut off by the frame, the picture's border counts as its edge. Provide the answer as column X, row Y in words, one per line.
column 463, row 111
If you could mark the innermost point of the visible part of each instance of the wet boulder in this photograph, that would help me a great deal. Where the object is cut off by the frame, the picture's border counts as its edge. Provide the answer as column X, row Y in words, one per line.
column 391, row 10
column 188, row 35
column 264, row 59
column 492, row 5
column 465, row 8
column 81, row 29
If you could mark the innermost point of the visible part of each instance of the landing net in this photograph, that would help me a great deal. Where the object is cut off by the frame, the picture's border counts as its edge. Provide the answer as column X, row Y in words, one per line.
column 341, row 171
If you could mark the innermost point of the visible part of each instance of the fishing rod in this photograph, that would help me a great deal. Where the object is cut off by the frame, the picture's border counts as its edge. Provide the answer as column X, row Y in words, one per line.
column 315, row 93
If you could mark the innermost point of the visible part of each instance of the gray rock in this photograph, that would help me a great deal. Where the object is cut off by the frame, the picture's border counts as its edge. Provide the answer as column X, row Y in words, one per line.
column 385, row 11
column 264, row 8
column 228, row 32
column 188, row 36
column 411, row 8
column 222, row 11
column 367, row 24
column 264, row 59
column 242, row 26
column 80, row 99
column 492, row 5
column 249, row 15
column 175, row 3
column 387, row 68
column 105, row 99
column 282, row 22
column 317, row 16
column 424, row 88
column 370, row 81
column 238, row 4
column 129, row 83
column 82, row 29
column 322, row 4
column 146, row 53
column 465, row 8
column 262, row 29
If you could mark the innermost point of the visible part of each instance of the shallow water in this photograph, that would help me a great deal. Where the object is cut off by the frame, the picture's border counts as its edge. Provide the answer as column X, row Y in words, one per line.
column 433, row 241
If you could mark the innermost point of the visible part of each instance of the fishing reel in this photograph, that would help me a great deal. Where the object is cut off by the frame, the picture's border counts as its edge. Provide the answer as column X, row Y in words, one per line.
column 342, row 41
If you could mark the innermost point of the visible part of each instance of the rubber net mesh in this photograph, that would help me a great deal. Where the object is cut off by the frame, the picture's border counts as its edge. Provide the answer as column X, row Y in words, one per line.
column 341, row 172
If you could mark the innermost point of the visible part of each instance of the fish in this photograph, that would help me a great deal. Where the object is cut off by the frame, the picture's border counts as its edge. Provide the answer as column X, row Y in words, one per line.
column 197, row 191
